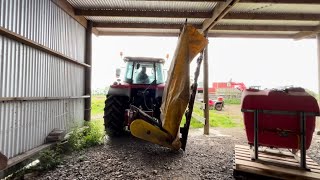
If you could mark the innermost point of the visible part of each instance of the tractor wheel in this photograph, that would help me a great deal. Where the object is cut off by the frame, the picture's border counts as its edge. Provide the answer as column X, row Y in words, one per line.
column 218, row 107
column 114, row 115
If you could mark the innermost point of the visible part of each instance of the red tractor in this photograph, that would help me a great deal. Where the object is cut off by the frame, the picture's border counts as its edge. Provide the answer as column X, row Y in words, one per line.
column 141, row 86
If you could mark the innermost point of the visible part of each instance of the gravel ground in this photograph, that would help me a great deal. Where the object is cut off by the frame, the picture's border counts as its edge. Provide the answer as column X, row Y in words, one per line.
column 206, row 157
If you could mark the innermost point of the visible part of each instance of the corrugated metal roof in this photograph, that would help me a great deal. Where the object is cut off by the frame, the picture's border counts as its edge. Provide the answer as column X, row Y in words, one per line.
column 276, row 8
column 145, row 5
column 247, row 10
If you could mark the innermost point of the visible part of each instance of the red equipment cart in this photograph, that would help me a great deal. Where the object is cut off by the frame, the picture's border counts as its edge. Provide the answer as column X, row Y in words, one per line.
column 279, row 118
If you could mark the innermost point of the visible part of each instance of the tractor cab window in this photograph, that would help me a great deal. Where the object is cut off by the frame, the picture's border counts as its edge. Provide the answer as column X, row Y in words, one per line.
column 128, row 75
column 143, row 73
column 160, row 75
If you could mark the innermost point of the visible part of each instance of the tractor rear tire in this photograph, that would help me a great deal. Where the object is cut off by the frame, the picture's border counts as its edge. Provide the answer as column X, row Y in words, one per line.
column 114, row 115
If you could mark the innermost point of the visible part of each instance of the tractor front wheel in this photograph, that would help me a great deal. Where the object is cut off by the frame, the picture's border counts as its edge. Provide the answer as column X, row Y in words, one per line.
column 114, row 115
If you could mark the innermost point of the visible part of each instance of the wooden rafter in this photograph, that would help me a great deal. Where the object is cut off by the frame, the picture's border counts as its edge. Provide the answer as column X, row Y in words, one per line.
column 272, row 16
column 188, row 0
column 117, row 33
column 14, row 36
column 139, row 13
column 210, row 34
column 140, row 25
column 262, row 28
column 248, row 35
column 306, row 34
column 217, row 27
column 220, row 10
column 283, row 1
column 252, row 1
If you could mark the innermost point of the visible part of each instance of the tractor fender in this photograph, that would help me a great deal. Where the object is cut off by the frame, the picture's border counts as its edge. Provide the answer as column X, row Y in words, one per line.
column 119, row 91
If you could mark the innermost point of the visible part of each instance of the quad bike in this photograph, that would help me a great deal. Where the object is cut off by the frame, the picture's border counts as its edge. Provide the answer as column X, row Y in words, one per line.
column 216, row 104
column 145, row 106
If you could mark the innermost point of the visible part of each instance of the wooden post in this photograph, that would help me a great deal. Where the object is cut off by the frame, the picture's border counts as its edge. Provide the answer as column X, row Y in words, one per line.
column 318, row 52
column 87, row 74
column 3, row 161
column 205, row 91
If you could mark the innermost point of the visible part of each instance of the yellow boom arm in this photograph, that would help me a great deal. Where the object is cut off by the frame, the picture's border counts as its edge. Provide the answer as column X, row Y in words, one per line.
column 176, row 93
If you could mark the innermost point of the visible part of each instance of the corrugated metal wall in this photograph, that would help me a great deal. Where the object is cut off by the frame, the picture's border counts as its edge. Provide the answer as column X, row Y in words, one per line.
column 28, row 72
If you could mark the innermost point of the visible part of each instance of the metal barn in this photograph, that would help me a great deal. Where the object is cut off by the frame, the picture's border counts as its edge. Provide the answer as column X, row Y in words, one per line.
column 45, row 50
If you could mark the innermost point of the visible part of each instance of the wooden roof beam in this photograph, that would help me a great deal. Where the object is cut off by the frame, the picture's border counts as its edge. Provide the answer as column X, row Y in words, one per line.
column 139, row 13
column 220, row 10
column 187, row 0
column 210, row 34
column 116, row 33
column 248, row 35
column 139, row 25
column 283, row 1
column 263, row 28
column 217, row 27
column 307, row 34
column 270, row 16
column 251, row 1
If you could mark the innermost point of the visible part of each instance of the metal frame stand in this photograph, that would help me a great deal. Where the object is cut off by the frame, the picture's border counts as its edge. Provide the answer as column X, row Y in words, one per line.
column 303, row 153
column 302, row 133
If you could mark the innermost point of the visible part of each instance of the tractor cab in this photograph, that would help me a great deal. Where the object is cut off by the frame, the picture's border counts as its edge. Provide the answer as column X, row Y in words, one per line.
column 143, row 70
column 140, row 84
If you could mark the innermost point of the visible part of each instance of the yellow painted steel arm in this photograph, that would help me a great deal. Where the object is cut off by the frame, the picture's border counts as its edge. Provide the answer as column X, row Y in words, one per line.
column 176, row 93
column 177, row 90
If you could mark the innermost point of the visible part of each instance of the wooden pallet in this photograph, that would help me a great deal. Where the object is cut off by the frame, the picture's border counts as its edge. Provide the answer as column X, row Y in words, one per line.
column 271, row 165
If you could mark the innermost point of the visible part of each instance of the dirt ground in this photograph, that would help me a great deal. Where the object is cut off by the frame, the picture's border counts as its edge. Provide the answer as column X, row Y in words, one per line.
column 206, row 157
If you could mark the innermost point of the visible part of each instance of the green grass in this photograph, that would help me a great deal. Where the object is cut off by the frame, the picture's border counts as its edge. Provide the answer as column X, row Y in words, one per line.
column 232, row 101
column 97, row 105
column 216, row 120
column 193, row 124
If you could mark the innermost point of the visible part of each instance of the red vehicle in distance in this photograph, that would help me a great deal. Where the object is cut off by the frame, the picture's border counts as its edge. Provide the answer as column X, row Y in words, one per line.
column 216, row 104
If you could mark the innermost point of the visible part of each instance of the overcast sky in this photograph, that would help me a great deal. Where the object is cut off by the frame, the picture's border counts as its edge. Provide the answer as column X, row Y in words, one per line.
column 265, row 62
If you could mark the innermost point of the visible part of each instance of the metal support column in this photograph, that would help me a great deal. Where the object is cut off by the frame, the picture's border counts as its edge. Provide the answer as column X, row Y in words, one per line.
column 87, row 76
column 205, row 90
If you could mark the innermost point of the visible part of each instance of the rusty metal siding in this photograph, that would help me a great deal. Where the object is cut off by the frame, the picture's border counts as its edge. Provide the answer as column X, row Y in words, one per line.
column 45, row 23
column 28, row 72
